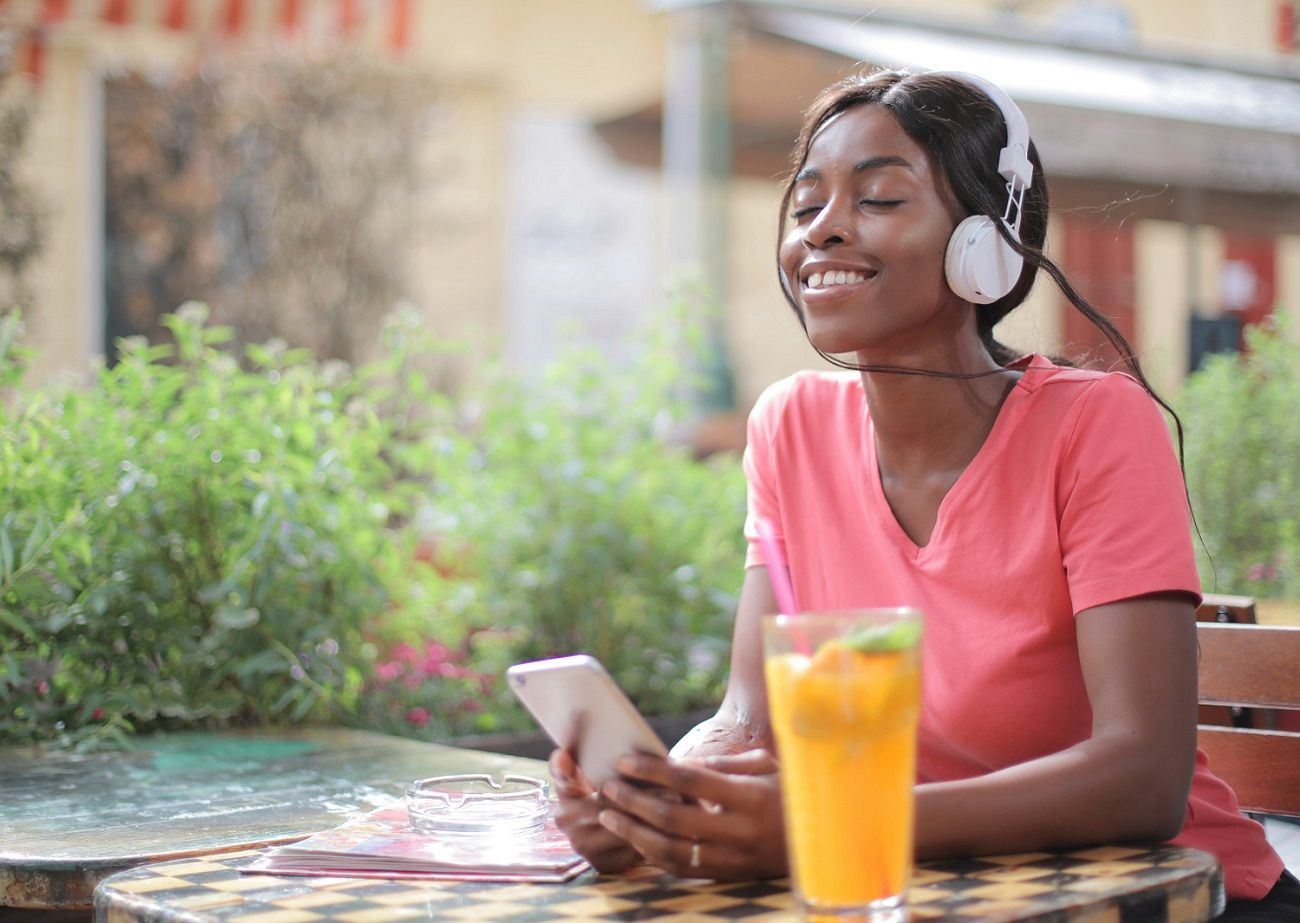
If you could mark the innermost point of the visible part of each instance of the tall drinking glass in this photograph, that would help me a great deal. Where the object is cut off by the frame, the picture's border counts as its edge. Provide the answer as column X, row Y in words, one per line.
column 844, row 692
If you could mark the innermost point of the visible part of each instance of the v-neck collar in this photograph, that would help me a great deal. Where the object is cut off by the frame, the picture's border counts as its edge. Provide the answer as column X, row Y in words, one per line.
column 1003, row 423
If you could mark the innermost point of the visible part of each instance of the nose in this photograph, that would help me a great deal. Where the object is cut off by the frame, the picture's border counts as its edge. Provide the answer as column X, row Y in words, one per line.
column 827, row 228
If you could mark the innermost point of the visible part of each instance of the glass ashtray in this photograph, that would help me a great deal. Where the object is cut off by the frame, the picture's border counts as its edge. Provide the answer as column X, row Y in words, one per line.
column 476, row 803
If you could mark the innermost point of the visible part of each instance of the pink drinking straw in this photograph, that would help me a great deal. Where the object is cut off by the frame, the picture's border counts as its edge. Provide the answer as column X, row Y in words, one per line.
column 777, row 569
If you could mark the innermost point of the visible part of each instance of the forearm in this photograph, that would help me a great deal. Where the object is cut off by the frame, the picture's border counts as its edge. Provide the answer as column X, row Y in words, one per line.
column 1102, row 790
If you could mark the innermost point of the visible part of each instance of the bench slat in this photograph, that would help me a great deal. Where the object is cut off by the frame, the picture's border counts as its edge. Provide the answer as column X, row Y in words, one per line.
column 1249, row 665
column 1263, row 767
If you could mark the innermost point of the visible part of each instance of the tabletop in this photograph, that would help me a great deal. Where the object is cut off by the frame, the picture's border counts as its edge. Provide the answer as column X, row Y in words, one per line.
column 69, row 820
column 1114, row 884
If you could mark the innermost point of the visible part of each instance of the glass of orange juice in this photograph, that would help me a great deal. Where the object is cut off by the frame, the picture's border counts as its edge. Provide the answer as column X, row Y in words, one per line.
column 843, row 689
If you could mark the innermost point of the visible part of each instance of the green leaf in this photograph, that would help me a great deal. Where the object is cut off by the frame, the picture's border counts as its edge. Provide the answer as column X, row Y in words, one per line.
column 895, row 636
column 304, row 706
column 14, row 621
column 6, row 554
column 236, row 618
column 35, row 538
column 293, row 693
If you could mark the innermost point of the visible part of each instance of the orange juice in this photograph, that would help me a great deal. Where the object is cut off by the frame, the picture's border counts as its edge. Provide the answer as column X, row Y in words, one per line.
column 845, row 725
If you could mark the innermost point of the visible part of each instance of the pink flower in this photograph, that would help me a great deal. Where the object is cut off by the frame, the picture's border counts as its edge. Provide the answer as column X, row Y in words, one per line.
column 435, row 655
column 407, row 653
column 471, row 705
column 43, row 687
column 1256, row 572
column 452, row 670
column 418, row 716
column 414, row 681
column 97, row 715
column 387, row 672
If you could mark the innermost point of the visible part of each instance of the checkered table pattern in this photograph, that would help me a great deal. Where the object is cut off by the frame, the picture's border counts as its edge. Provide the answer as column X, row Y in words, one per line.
column 1104, row 885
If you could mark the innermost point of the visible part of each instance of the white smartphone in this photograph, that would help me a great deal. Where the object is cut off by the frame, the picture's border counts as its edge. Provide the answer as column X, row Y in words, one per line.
column 581, row 708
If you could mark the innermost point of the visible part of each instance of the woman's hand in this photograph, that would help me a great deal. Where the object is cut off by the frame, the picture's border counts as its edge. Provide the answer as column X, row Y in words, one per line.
column 727, row 823
column 577, row 815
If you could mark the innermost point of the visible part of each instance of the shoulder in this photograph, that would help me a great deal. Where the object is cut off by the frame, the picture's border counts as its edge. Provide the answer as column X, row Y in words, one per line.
column 1072, row 396
column 804, row 394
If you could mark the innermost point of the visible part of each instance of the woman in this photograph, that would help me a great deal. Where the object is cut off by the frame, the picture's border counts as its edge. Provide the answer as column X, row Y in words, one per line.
column 1035, row 513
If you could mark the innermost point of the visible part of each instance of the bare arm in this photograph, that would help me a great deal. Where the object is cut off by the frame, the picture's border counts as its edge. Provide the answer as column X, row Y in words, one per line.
column 1128, row 781
column 741, row 722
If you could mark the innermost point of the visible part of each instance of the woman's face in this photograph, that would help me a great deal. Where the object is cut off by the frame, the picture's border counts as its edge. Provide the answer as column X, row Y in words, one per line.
column 870, row 217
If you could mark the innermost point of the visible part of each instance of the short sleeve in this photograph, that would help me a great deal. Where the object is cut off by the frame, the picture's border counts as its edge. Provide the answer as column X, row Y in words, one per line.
column 1124, row 520
column 761, row 471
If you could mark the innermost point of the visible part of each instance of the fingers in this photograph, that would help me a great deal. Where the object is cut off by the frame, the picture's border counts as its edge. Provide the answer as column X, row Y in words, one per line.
column 699, row 781
column 670, row 853
column 734, row 816
column 569, row 779
column 749, row 763
column 663, row 810
column 605, row 850
column 724, row 811
column 686, row 857
column 577, row 815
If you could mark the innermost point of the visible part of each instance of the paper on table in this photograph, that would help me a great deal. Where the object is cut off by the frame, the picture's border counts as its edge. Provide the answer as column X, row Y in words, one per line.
column 383, row 845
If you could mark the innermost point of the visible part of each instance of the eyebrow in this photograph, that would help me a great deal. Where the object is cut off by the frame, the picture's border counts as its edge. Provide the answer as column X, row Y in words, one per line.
column 871, row 163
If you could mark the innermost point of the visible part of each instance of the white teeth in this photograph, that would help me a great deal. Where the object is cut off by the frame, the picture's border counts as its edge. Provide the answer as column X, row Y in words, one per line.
column 824, row 280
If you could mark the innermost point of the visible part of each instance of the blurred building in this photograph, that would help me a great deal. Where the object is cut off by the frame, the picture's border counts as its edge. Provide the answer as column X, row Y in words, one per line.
column 592, row 151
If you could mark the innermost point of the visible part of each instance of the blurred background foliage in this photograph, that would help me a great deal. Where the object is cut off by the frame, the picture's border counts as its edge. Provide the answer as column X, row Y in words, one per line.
column 23, row 216
column 280, row 189
column 1241, row 413
column 206, row 536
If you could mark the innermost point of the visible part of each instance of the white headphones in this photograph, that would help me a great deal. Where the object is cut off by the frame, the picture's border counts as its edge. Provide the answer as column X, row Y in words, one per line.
column 981, row 267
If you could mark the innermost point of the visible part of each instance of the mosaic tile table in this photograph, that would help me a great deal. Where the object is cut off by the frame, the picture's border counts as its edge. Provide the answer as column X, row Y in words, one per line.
column 1104, row 885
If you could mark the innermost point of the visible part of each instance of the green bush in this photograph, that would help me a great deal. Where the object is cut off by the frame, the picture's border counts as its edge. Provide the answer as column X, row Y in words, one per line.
column 189, row 542
column 1242, row 418
column 568, row 526
column 194, row 542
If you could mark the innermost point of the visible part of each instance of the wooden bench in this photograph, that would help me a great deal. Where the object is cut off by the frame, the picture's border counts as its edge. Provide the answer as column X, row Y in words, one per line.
column 1254, row 667
column 1235, row 610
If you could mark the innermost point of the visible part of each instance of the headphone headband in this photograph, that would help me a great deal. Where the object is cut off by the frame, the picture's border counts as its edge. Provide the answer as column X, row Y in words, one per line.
column 1013, row 160
column 979, row 264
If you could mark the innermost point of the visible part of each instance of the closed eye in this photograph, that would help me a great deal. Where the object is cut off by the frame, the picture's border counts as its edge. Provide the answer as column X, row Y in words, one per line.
column 800, row 213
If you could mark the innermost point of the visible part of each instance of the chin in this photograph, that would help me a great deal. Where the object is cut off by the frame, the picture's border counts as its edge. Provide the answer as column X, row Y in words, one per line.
column 836, row 340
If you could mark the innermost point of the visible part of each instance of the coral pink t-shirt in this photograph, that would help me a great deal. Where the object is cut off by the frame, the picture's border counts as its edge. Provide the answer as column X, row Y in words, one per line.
column 1074, row 500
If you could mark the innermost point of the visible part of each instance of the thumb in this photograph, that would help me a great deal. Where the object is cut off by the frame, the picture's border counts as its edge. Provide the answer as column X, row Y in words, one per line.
column 568, row 777
column 750, row 763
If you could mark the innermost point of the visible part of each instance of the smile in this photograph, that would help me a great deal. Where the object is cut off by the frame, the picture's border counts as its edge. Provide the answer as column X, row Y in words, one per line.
column 821, row 281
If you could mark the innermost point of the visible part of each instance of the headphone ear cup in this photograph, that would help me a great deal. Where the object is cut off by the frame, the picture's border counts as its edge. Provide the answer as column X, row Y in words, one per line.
column 981, row 267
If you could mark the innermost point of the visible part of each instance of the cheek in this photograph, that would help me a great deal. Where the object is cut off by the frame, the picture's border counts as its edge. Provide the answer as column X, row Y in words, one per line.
column 923, row 249
column 789, row 255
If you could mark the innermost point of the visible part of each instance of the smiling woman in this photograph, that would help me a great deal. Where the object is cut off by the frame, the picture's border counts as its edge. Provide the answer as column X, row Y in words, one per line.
column 1035, row 513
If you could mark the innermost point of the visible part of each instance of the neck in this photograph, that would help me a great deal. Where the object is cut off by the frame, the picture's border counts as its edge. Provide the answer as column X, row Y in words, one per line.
column 924, row 422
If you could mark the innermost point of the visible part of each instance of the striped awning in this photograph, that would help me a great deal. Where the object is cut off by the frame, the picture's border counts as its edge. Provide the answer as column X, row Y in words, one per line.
column 31, row 24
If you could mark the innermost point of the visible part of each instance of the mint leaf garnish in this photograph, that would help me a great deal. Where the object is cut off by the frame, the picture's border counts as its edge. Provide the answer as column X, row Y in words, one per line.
column 896, row 636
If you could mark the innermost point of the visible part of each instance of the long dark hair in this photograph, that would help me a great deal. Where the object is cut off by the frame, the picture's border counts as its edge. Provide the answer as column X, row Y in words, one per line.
column 962, row 131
